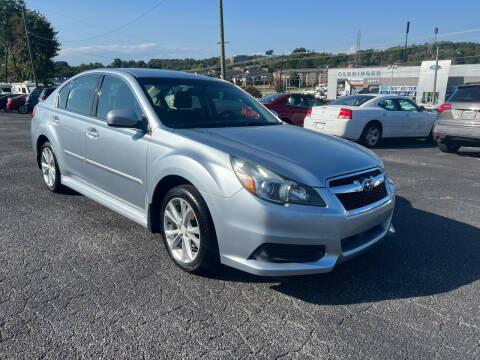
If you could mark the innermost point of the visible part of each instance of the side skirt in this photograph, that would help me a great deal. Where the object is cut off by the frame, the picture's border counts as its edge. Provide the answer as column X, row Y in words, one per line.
column 112, row 203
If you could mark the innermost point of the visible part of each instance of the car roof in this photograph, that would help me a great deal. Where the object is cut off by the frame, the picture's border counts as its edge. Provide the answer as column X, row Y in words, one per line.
column 153, row 73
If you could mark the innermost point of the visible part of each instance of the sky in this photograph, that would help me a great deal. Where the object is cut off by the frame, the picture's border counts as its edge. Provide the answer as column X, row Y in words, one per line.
column 101, row 30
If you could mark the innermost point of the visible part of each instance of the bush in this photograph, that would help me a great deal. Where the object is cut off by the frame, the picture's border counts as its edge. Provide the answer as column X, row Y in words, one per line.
column 252, row 90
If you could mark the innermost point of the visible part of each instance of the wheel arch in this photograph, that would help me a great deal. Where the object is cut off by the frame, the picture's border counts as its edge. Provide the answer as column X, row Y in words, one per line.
column 42, row 139
column 162, row 187
column 377, row 122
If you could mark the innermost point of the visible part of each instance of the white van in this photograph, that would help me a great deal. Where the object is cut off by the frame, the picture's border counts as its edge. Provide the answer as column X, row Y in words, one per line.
column 5, row 88
column 25, row 87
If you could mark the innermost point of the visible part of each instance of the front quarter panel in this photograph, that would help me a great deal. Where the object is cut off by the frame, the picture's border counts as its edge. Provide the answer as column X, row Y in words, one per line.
column 208, row 169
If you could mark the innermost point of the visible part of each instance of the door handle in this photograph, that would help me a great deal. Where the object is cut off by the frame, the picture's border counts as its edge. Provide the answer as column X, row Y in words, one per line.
column 56, row 119
column 92, row 133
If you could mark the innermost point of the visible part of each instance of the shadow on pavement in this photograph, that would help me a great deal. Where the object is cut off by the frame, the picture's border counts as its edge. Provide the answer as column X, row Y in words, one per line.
column 404, row 143
column 467, row 152
column 429, row 254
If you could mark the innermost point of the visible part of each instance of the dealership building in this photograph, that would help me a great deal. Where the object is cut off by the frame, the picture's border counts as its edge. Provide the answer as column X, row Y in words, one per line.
column 414, row 81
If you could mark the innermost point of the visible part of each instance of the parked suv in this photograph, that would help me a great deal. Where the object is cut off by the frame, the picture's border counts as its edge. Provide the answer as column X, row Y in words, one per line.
column 216, row 173
column 458, row 122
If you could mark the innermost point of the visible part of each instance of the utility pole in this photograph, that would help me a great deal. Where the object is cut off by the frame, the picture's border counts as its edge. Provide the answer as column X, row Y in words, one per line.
column 6, row 63
column 29, row 49
column 406, row 39
column 434, row 100
column 281, row 71
column 359, row 35
column 435, row 31
column 222, row 41
column 434, row 97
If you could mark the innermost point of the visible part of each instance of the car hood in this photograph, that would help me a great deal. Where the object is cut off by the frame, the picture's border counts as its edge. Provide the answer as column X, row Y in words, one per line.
column 297, row 153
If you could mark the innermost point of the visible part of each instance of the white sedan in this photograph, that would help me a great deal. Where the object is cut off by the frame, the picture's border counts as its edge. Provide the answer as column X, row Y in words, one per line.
column 368, row 118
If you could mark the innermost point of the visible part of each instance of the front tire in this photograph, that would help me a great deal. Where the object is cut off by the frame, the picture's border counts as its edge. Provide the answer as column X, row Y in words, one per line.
column 446, row 148
column 371, row 135
column 23, row 109
column 187, row 230
column 49, row 167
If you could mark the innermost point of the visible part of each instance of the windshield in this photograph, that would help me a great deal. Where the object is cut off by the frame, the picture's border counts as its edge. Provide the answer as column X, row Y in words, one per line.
column 269, row 98
column 466, row 94
column 192, row 103
column 352, row 100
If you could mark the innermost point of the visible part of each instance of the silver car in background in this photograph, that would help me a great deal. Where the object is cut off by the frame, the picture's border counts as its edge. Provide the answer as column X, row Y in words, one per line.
column 458, row 122
column 216, row 173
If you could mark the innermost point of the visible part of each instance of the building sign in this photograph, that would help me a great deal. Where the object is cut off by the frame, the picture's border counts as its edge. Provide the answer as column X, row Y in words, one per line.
column 359, row 73
column 399, row 90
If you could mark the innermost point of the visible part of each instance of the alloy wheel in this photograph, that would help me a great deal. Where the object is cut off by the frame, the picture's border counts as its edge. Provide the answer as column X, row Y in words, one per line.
column 182, row 230
column 372, row 136
column 48, row 167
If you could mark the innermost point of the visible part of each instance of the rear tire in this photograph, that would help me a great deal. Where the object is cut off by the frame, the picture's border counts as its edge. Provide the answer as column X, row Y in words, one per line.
column 49, row 167
column 446, row 148
column 22, row 109
column 187, row 230
column 371, row 135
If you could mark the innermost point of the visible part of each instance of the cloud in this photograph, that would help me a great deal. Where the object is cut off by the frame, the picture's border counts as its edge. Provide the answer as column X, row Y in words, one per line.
column 144, row 51
column 351, row 49
column 121, row 49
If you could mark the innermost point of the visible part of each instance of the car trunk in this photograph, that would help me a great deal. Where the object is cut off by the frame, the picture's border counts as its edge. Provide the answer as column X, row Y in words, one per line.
column 465, row 112
column 329, row 112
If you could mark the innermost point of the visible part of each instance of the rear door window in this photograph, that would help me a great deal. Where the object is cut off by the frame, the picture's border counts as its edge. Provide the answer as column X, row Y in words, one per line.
column 388, row 104
column 81, row 94
column 466, row 94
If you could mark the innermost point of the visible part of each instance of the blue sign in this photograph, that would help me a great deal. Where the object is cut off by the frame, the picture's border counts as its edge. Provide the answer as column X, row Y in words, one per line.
column 432, row 67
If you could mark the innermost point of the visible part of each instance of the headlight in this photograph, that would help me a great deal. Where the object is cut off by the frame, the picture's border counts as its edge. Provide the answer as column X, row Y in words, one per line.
column 272, row 187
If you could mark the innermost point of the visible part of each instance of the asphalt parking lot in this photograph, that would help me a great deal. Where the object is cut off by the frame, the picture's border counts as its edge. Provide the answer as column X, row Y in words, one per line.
column 78, row 280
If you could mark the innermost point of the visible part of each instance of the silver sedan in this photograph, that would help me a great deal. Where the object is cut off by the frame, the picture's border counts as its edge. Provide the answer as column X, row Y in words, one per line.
column 214, row 172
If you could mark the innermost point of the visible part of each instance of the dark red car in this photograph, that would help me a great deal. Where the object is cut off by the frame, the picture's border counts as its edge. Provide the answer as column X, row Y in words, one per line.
column 15, row 103
column 292, row 107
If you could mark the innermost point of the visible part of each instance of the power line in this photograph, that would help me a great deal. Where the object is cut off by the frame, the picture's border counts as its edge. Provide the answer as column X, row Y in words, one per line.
column 113, row 30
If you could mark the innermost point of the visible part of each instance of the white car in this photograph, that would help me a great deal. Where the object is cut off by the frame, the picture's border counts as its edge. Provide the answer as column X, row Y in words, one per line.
column 368, row 118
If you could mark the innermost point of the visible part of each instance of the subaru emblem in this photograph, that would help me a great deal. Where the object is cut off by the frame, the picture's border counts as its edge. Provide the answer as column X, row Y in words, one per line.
column 368, row 184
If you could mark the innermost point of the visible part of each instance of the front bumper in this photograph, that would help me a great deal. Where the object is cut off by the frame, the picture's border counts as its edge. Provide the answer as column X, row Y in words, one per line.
column 243, row 223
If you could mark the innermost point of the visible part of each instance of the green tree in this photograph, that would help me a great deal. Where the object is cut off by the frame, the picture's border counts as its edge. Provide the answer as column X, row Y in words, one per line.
column 14, row 49
column 252, row 90
column 299, row 50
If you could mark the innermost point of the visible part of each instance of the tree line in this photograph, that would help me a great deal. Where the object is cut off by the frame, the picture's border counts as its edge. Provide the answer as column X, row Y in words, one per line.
column 458, row 52
column 14, row 56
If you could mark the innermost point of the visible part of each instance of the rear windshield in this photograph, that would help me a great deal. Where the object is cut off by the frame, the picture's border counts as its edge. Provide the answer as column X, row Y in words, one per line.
column 269, row 98
column 466, row 94
column 355, row 100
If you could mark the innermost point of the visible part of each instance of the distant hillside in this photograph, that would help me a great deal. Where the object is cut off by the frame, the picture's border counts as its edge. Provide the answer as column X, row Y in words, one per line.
column 458, row 52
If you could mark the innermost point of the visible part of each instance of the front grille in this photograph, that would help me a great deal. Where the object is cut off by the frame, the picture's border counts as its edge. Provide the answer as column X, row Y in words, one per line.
column 356, row 200
column 350, row 179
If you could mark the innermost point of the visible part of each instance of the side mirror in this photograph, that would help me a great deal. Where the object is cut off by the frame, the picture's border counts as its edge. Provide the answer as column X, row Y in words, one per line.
column 421, row 108
column 123, row 118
